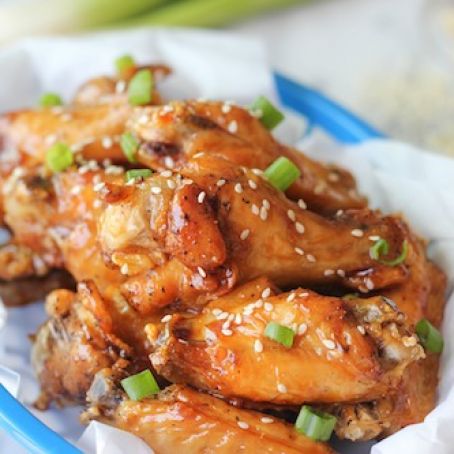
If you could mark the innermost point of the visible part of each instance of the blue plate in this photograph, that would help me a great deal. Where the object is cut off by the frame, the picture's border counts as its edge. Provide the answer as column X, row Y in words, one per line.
column 342, row 125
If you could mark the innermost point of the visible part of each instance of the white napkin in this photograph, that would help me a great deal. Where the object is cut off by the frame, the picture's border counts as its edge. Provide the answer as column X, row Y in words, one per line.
column 394, row 176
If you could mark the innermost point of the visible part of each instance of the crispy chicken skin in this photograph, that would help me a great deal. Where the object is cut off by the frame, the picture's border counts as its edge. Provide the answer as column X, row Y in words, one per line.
column 416, row 394
column 181, row 272
column 169, row 239
column 331, row 360
column 74, row 344
column 180, row 130
column 195, row 423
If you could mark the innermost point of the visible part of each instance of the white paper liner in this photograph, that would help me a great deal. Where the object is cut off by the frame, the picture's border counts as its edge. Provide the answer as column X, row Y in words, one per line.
column 396, row 177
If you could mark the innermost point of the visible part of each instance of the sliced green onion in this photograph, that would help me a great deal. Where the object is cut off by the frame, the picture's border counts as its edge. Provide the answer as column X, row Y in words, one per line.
column 282, row 173
column 137, row 173
column 59, row 157
column 268, row 115
column 381, row 247
column 140, row 385
column 430, row 337
column 129, row 145
column 140, row 88
column 124, row 63
column 50, row 100
column 280, row 333
column 315, row 424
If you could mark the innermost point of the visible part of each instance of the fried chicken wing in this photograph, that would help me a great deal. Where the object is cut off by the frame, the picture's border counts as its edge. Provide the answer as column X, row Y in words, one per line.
column 195, row 423
column 74, row 344
column 343, row 350
column 174, row 133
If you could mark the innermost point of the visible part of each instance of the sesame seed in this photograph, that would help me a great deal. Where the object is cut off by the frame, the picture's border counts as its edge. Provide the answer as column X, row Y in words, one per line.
column 258, row 346
column 248, row 310
column 374, row 237
column 166, row 173
column 201, row 271
column 226, row 325
column 409, row 341
column 226, row 108
column 299, row 251
column 238, row 188
column 255, row 209
column 266, row 420
column 266, row 204
column 156, row 190
column 258, row 304
column 97, row 203
column 99, row 186
column 227, row 332
column 252, row 184
column 244, row 234
column 171, row 184
column 263, row 213
column 348, row 338
column 320, row 187
column 124, row 269
column 198, row 155
column 114, row 170
column 302, row 204
column 75, row 190
column 243, row 425
column 166, row 318
column 266, row 293
column 223, row 316
column 220, row 183
column 339, row 213
column 299, row 227
column 120, row 86
column 329, row 344
column 328, row 272
column 143, row 119
column 304, row 294
column 232, row 127
column 238, row 319
column 340, row 273
column 257, row 172
column 186, row 181
column 291, row 297
column 231, row 317
column 107, row 142
column 216, row 311
column 201, row 197
column 268, row 307
column 167, row 109
column 310, row 258
column 281, row 388
column 291, row 215
column 358, row 233
column 361, row 329
column 169, row 162
column 369, row 283
column 302, row 328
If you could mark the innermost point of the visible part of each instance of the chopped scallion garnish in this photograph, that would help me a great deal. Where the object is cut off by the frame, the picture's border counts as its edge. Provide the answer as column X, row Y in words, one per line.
column 137, row 173
column 430, row 337
column 315, row 424
column 50, row 100
column 59, row 157
column 282, row 173
column 268, row 115
column 280, row 333
column 129, row 145
column 124, row 63
column 381, row 248
column 140, row 88
column 140, row 385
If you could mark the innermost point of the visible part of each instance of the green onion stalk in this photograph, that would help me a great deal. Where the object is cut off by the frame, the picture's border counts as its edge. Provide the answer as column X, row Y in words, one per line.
column 31, row 17
column 207, row 13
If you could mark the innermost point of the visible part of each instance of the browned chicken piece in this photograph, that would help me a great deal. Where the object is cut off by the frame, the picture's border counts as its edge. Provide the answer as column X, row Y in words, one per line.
column 168, row 239
column 74, row 344
column 180, row 418
column 28, row 290
column 172, row 134
column 105, row 89
column 343, row 351
column 416, row 395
